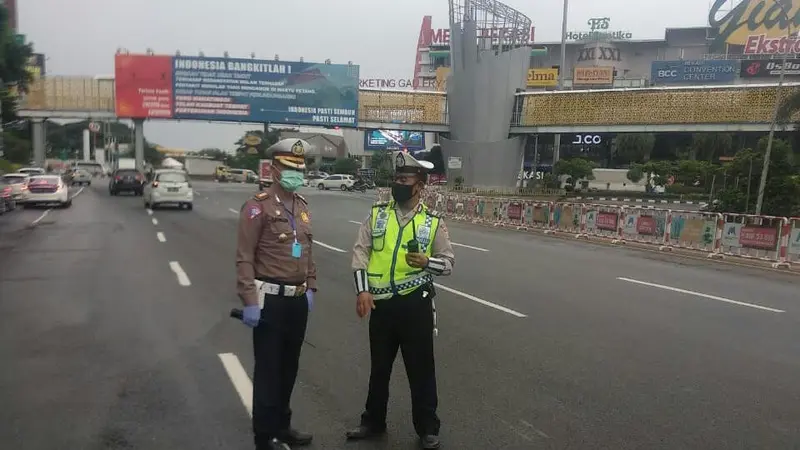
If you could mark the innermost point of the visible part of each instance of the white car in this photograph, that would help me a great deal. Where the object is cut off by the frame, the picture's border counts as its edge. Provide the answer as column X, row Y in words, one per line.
column 18, row 183
column 47, row 189
column 168, row 187
column 31, row 171
column 336, row 181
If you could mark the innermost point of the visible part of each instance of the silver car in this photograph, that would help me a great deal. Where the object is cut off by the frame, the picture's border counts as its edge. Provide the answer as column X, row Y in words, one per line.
column 82, row 177
column 18, row 183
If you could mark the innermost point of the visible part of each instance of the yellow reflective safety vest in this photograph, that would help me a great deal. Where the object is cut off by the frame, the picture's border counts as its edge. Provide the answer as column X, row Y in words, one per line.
column 388, row 272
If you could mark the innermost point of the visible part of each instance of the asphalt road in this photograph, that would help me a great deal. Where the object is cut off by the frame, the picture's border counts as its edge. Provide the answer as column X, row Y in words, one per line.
column 114, row 335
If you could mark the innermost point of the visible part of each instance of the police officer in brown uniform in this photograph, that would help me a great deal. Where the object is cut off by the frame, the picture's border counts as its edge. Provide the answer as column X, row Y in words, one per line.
column 400, row 247
column 274, row 264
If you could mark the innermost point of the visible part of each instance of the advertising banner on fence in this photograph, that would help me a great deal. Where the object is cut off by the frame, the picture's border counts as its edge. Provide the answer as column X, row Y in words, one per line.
column 769, row 68
column 236, row 90
column 593, row 75
column 794, row 239
column 699, row 71
column 542, row 77
column 737, row 235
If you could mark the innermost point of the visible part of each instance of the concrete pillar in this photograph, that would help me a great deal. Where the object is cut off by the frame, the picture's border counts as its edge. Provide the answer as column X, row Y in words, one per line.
column 38, row 139
column 87, row 145
column 138, row 137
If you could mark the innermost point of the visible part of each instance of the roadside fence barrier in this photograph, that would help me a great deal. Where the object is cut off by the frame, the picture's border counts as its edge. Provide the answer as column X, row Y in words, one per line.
column 742, row 236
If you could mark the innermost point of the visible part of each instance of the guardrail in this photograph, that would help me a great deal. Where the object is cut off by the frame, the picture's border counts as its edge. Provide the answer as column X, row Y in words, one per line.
column 769, row 239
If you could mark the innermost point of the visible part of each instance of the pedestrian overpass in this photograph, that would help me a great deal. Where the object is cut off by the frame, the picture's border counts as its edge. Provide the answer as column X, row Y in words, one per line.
column 731, row 108
column 743, row 107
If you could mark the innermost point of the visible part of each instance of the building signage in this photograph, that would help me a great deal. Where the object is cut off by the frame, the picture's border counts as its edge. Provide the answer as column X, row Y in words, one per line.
column 769, row 68
column 698, row 71
column 599, row 54
column 542, row 77
column 394, row 140
column 599, row 31
column 441, row 36
column 593, row 75
column 235, row 90
column 760, row 26
column 396, row 83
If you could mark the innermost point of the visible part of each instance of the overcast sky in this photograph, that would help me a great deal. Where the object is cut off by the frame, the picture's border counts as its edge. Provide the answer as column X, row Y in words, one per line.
column 80, row 37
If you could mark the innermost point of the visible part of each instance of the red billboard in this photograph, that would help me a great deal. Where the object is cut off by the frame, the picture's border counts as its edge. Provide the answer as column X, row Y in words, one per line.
column 143, row 87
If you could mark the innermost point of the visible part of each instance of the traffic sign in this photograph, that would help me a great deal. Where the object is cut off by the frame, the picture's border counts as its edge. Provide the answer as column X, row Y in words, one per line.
column 94, row 127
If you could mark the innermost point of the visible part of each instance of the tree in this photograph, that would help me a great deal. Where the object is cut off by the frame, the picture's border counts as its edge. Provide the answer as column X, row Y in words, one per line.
column 346, row 165
column 782, row 191
column 576, row 168
column 710, row 146
column 381, row 162
column 15, row 78
column 635, row 173
column 633, row 148
column 659, row 172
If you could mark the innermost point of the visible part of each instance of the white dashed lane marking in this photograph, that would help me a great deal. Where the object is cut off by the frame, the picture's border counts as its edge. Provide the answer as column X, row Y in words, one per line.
column 183, row 279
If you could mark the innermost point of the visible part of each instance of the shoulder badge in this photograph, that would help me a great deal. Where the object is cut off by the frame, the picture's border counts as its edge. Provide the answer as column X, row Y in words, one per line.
column 302, row 199
column 261, row 196
column 433, row 213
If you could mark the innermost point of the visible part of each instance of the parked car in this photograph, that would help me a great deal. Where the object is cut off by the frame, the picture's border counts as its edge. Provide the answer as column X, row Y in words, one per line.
column 82, row 177
column 17, row 183
column 47, row 189
column 336, row 181
column 169, row 187
column 7, row 201
column 126, row 180
column 32, row 171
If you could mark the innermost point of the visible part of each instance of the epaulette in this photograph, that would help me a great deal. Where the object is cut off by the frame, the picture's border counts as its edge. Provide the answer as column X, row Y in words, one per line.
column 380, row 204
column 302, row 199
column 433, row 213
column 260, row 196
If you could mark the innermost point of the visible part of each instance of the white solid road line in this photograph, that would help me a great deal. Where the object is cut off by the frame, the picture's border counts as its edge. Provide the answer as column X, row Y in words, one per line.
column 155, row 221
column 233, row 210
column 469, row 247
column 700, row 294
column 330, row 247
column 77, row 193
column 183, row 279
column 480, row 300
column 239, row 378
column 44, row 214
column 149, row 212
column 161, row 237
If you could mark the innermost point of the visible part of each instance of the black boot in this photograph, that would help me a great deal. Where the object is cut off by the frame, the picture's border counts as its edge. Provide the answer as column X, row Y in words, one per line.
column 294, row 437
column 429, row 441
column 363, row 432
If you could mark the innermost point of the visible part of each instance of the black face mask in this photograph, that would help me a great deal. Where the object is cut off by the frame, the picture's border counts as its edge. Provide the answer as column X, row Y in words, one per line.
column 402, row 192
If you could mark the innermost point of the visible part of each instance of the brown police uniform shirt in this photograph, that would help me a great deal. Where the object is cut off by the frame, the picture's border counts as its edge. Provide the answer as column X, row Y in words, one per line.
column 441, row 247
column 264, row 248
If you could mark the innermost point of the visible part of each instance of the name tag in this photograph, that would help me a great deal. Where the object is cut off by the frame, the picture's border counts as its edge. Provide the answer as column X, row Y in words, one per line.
column 297, row 249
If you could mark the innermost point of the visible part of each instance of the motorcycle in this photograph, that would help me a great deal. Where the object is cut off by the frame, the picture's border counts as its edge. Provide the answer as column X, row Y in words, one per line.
column 358, row 186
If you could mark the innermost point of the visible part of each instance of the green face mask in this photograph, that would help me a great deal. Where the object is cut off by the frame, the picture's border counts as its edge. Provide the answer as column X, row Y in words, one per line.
column 291, row 180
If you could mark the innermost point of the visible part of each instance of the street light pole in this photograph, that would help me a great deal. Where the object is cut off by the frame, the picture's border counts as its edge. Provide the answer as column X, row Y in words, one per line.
column 561, row 70
column 762, row 185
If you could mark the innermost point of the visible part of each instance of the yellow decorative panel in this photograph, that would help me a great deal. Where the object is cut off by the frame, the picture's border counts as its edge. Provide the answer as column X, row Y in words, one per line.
column 70, row 94
column 407, row 107
column 651, row 106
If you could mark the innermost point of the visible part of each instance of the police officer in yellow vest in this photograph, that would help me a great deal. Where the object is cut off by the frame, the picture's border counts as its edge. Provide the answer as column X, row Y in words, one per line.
column 400, row 247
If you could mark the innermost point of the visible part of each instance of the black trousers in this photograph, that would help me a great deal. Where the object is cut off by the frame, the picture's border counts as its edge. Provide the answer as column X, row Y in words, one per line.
column 404, row 323
column 277, row 346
